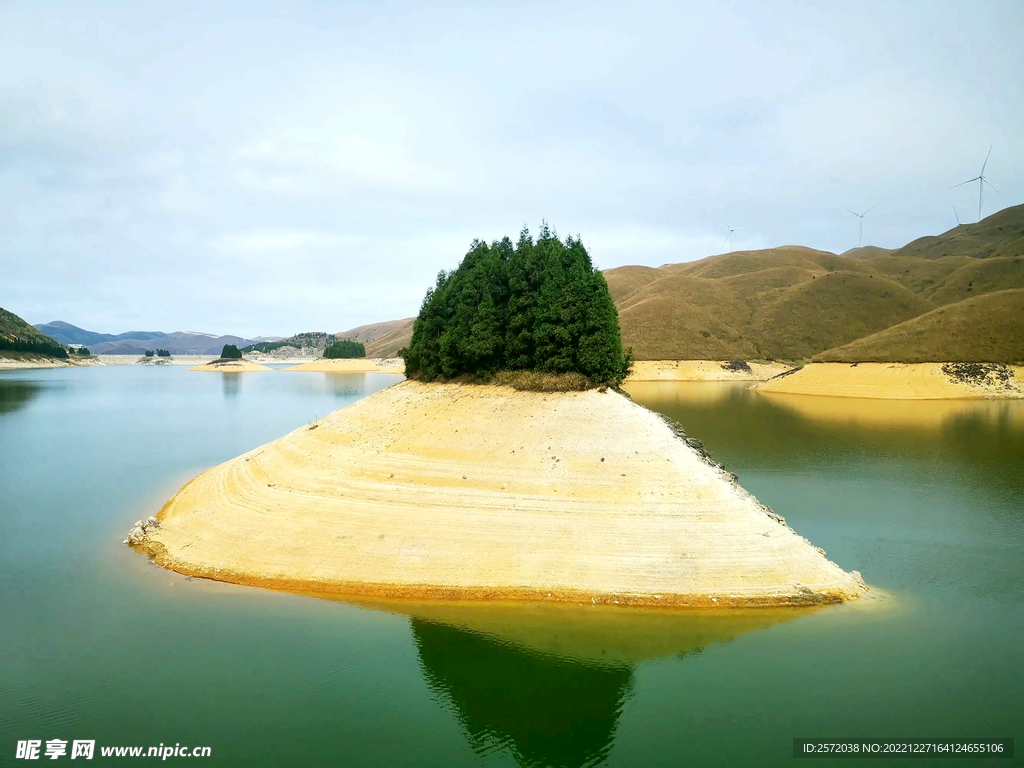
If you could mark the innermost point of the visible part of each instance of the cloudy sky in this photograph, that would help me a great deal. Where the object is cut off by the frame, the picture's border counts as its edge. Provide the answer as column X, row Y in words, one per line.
column 258, row 168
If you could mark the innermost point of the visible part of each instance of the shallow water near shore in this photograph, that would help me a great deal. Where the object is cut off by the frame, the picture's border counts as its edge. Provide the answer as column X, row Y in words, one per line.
column 926, row 501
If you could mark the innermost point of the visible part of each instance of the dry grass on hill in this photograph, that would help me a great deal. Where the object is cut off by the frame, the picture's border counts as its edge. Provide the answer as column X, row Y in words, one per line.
column 389, row 344
column 792, row 303
column 985, row 328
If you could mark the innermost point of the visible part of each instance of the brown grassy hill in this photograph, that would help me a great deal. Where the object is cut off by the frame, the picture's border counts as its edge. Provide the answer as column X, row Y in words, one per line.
column 1001, row 234
column 373, row 331
column 625, row 280
column 982, row 329
column 833, row 309
column 953, row 278
column 866, row 252
column 389, row 344
column 781, row 303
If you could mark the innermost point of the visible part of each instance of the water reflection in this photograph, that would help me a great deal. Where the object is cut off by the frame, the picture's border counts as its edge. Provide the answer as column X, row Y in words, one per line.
column 545, row 710
column 15, row 394
column 346, row 384
column 548, row 682
column 795, row 431
column 232, row 385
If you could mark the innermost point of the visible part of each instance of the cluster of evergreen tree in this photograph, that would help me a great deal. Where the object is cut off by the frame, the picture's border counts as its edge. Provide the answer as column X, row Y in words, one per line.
column 535, row 306
column 344, row 348
column 230, row 352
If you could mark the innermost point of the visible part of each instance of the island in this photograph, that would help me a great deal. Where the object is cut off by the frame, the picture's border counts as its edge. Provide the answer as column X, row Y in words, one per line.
column 509, row 465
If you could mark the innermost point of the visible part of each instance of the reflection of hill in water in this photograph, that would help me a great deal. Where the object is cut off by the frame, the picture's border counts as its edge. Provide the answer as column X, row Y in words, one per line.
column 807, row 431
column 548, row 681
column 15, row 394
column 232, row 385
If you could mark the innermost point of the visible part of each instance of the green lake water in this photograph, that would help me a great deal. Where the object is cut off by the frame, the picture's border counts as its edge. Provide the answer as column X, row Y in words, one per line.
column 925, row 499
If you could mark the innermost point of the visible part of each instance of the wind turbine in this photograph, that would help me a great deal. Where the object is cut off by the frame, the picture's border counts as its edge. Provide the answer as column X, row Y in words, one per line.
column 729, row 236
column 982, row 181
column 957, row 216
column 860, row 239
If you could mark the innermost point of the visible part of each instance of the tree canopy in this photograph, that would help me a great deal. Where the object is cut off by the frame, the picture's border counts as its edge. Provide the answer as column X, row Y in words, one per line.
column 345, row 348
column 533, row 306
column 230, row 352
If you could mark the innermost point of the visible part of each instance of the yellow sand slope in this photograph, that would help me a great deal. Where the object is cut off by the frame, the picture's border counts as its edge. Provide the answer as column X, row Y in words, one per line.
column 447, row 490
column 231, row 366
column 701, row 370
column 895, row 381
column 353, row 365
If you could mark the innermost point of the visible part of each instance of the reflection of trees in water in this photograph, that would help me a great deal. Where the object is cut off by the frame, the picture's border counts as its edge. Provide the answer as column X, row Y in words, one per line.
column 547, row 710
column 16, row 394
column 346, row 384
column 232, row 384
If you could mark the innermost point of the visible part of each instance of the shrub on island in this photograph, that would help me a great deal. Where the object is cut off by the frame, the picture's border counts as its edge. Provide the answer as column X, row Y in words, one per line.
column 344, row 348
column 230, row 352
column 537, row 313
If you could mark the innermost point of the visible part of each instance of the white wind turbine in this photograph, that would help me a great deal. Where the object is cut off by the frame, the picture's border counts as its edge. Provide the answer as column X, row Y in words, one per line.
column 982, row 181
column 860, row 238
column 728, row 238
column 957, row 216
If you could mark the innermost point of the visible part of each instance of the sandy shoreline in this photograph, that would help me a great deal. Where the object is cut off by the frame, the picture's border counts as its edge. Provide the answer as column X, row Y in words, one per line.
column 702, row 370
column 897, row 381
column 15, row 364
column 234, row 366
column 353, row 365
column 478, row 492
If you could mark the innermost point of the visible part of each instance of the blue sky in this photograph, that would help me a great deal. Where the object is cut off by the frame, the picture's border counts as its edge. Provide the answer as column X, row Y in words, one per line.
column 258, row 168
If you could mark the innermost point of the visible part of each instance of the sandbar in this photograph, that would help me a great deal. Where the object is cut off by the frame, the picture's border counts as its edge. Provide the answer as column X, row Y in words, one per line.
column 900, row 381
column 458, row 491
column 230, row 366
column 703, row 370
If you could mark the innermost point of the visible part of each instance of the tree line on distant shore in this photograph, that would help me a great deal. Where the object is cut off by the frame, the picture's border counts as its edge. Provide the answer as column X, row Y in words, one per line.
column 345, row 348
column 535, row 306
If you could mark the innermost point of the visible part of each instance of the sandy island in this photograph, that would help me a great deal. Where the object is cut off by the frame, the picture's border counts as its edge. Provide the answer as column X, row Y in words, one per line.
column 900, row 381
column 230, row 366
column 353, row 365
column 461, row 491
column 703, row 370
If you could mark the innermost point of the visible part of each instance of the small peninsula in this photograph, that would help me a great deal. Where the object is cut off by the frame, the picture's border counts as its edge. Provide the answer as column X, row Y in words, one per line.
column 509, row 465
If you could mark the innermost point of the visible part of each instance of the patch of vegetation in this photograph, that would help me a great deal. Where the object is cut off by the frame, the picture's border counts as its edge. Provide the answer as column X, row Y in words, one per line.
column 536, row 307
column 736, row 365
column 149, row 353
column 230, row 352
column 163, row 353
column 344, row 348
column 18, row 336
column 978, row 374
column 299, row 340
column 80, row 351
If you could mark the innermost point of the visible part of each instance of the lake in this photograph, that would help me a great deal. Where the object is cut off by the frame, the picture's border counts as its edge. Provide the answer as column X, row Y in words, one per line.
column 925, row 499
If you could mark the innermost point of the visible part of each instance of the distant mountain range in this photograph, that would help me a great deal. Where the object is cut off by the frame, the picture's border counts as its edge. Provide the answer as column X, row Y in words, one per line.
column 954, row 297
column 137, row 342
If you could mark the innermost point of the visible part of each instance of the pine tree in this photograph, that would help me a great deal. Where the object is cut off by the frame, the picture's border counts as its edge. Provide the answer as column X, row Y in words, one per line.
column 535, row 306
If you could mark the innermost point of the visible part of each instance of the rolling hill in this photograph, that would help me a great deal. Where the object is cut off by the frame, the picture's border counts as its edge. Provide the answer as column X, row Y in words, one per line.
column 18, row 337
column 795, row 303
column 983, row 329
